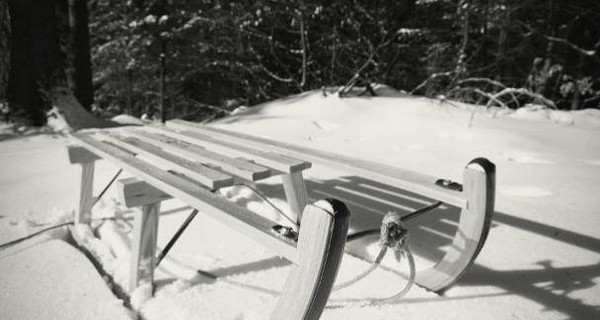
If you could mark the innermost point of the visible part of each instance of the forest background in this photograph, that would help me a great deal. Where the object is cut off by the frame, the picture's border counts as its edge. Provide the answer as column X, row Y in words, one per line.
column 196, row 59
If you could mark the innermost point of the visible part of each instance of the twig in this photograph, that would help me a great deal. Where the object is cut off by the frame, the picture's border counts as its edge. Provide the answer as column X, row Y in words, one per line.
column 521, row 91
column 585, row 52
column 276, row 77
column 431, row 78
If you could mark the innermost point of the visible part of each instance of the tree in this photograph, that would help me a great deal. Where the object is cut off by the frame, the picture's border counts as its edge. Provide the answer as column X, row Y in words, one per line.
column 49, row 50
column 80, row 49
column 37, row 62
column 4, row 49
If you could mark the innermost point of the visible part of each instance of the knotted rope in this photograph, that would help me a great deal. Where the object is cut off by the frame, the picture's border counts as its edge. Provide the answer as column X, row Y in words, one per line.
column 393, row 235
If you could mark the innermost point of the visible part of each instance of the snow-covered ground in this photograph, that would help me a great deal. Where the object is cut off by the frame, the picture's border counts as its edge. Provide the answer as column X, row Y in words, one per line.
column 541, row 260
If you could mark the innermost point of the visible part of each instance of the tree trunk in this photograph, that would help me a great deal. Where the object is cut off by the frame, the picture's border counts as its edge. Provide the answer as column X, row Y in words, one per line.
column 36, row 59
column 80, row 52
column 4, row 49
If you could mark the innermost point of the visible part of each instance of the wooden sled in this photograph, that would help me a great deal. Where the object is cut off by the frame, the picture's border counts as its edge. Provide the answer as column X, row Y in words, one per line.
column 223, row 158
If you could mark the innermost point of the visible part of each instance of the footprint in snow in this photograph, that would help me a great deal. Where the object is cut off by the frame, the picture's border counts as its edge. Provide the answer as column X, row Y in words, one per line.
column 525, row 191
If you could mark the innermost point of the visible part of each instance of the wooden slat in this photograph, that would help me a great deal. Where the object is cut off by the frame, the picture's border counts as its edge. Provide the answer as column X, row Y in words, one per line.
column 269, row 159
column 403, row 179
column 239, row 167
column 207, row 176
column 231, row 214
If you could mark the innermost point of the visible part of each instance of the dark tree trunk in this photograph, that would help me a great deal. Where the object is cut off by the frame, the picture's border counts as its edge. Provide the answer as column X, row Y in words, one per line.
column 4, row 49
column 36, row 59
column 80, row 49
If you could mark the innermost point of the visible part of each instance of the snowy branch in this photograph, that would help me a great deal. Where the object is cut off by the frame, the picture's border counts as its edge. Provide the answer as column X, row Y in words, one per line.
column 521, row 91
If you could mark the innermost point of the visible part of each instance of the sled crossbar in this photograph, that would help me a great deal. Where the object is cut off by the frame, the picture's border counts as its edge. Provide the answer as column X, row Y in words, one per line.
column 191, row 162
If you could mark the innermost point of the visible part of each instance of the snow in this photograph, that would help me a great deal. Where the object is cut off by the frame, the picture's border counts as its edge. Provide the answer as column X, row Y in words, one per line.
column 53, row 280
column 541, row 260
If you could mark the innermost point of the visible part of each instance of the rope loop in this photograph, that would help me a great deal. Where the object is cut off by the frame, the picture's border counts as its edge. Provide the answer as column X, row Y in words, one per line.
column 394, row 234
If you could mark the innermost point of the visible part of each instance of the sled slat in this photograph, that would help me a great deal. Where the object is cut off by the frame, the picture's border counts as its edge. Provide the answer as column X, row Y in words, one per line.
column 403, row 179
column 269, row 159
column 207, row 176
column 239, row 167
column 238, row 218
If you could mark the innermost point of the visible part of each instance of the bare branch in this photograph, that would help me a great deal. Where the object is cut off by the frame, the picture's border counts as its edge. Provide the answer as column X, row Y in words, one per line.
column 431, row 78
column 585, row 52
column 521, row 91
column 276, row 77
column 588, row 53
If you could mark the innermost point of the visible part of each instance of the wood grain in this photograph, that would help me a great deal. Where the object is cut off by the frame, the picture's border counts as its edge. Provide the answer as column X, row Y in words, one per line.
column 272, row 160
column 296, row 193
column 473, row 228
column 207, row 176
column 235, row 166
column 321, row 245
column 86, row 194
column 143, row 246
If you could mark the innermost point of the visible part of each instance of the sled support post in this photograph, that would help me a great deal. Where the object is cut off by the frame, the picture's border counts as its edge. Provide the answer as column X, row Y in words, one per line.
column 136, row 193
column 295, row 193
column 87, row 160
column 143, row 247
column 473, row 227
column 321, row 246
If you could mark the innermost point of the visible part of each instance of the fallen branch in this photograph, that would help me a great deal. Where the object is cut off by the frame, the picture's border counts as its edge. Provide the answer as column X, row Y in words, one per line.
column 483, row 93
column 521, row 91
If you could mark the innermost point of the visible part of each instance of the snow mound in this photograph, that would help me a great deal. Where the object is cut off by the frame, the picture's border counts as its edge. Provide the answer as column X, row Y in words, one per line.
column 127, row 119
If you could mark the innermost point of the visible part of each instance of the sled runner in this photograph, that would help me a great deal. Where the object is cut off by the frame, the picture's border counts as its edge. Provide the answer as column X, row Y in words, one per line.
column 190, row 161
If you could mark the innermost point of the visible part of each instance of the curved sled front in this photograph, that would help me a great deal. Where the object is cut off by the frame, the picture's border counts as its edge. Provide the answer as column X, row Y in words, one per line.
column 473, row 227
column 321, row 246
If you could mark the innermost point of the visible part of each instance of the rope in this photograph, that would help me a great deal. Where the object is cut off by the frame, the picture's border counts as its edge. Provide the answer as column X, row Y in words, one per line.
column 37, row 233
column 262, row 196
column 14, row 242
column 393, row 235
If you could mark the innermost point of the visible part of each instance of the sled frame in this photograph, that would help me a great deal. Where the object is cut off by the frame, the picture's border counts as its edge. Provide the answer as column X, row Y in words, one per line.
column 189, row 162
